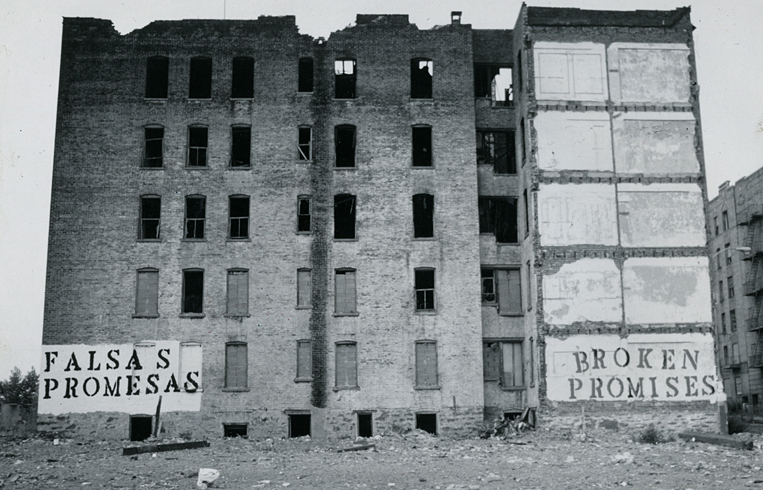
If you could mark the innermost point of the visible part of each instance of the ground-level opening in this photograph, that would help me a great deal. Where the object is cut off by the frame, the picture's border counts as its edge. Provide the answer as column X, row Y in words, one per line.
column 234, row 430
column 365, row 425
column 299, row 424
column 427, row 422
column 140, row 427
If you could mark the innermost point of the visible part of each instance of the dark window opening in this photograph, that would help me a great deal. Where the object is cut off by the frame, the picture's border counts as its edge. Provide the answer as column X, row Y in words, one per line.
column 299, row 424
column 239, row 217
column 140, row 427
column 494, row 82
column 157, row 77
column 423, row 216
column 498, row 215
column 242, row 86
column 195, row 215
column 519, row 71
column 725, row 216
column 527, row 212
column 344, row 79
column 365, row 425
column 236, row 365
column 304, row 224
column 241, row 146
column 521, row 138
column 154, row 139
column 234, row 430
column 345, row 146
column 150, row 212
column 488, row 285
column 305, row 75
column 422, row 146
column 496, row 148
column 193, row 291
column 424, row 279
column 305, row 143
column 198, row 140
column 421, row 78
column 200, row 83
column 344, row 216
column 427, row 422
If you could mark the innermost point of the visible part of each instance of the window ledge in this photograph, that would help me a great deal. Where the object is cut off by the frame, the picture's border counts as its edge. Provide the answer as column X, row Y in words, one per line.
column 244, row 239
column 230, row 315
column 236, row 390
column 191, row 240
column 303, row 380
column 345, row 98
column 192, row 315
column 507, row 244
column 307, row 162
column 241, row 99
column 345, row 168
column 239, row 167
column 306, row 307
column 425, row 312
column 142, row 167
column 512, row 388
column 346, row 388
column 512, row 314
column 421, row 99
column 349, row 313
column 424, row 238
column 345, row 239
column 304, row 233
column 304, row 94
column 149, row 240
column 155, row 99
column 197, row 167
column 192, row 99
column 425, row 388
column 146, row 316
column 423, row 166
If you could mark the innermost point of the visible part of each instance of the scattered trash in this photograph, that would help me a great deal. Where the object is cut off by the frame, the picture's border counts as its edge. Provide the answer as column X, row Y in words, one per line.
column 505, row 426
column 356, row 448
column 570, row 459
column 626, row 457
column 206, row 477
column 56, row 442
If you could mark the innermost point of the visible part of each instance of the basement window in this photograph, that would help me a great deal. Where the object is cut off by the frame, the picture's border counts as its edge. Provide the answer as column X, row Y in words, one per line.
column 242, row 84
column 239, row 217
column 150, row 209
column 496, row 148
column 241, row 146
column 157, row 77
column 299, row 424
column 305, row 145
column 154, row 147
column 498, row 216
column 421, row 78
column 424, row 285
column 344, row 216
column 427, row 422
column 195, row 217
column 345, row 77
column 235, row 430
column 423, row 216
column 365, row 425
column 140, row 427
column 422, row 146
column 304, row 219
column 197, row 146
column 344, row 143
column 193, row 290
column 305, row 75
column 200, row 83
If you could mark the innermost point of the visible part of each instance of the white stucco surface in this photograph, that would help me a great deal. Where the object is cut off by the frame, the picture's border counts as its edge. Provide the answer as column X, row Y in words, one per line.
column 574, row 141
column 570, row 214
column 653, row 73
column 585, row 290
column 570, row 71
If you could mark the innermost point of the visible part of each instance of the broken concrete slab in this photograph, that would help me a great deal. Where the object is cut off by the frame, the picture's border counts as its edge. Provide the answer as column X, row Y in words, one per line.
column 717, row 439
column 356, row 448
column 158, row 448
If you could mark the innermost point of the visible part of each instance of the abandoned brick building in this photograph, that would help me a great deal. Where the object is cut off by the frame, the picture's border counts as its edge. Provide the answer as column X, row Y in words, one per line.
column 387, row 229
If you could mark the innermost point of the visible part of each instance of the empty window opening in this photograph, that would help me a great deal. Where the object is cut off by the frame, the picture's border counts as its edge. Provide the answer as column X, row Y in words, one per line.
column 521, row 139
column 726, row 354
column 725, row 217
column 733, row 320
column 344, row 216
column 488, row 286
column 304, row 216
column 527, row 212
column 154, row 143
column 237, row 303
column 426, row 364
column 200, row 83
column 242, row 86
column 304, row 288
column 305, row 143
column 195, row 215
column 427, row 422
column 502, row 287
column 239, row 217
column 423, row 216
column 140, row 427
column 519, row 71
column 198, row 139
column 498, row 216
column 424, row 279
column 344, row 142
column 236, row 365
column 235, row 430
column 365, row 425
column 150, row 212
column 422, row 146
column 421, row 78
column 157, row 77
column 346, row 365
column 496, row 148
column 345, row 77
column 147, row 294
column 345, row 292
column 494, row 82
column 299, row 424
column 193, row 291
column 241, row 137
column 304, row 360
column 305, row 75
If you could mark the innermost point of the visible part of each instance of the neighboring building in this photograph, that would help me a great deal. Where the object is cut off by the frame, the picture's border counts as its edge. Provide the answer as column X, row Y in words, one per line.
column 735, row 219
column 388, row 229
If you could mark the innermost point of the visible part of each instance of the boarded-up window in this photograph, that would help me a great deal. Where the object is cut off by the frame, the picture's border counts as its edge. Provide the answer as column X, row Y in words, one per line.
column 195, row 216
column 421, row 78
column 344, row 79
column 200, row 83
column 344, row 146
column 193, row 291
column 422, row 146
column 241, row 146
column 496, row 148
column 491, row 361
column 147, row 293
column 305, row 75
column 304, row 215
column 304, row 360
column 498, row 215
column 236, row 365
column 238, row 292
column 509, row 291
column 239, row 217
column 304, row 288
column 513, row 365
column 154, row 147
column 423, row 216
column 345, row 292
column 150, row 212
column 305, row 143
column 198, row 138
column 157, row 77
column 344, row 216
column 424, row 279
column 242, row 84
column 426, row 364
column 346, row 365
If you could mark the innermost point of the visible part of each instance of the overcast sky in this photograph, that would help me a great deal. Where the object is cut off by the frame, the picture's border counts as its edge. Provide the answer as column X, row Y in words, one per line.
column 729, row 65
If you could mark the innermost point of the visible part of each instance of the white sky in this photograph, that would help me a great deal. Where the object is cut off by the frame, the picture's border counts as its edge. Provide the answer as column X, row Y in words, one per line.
column 729, row 64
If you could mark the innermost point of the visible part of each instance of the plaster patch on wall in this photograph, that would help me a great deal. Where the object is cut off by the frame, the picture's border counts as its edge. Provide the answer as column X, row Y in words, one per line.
column 570, row 214
column 655, row 143
column 574, row 141
column 659, row 290
column 570, row 71
column 585, row 290
column 661, row 215
column 644, row 72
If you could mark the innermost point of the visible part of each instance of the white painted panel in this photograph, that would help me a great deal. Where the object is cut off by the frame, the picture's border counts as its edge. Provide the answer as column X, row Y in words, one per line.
column 644, row 72
column 640, row 367
column 661, row 215
column 574, row 141
column 585, row 290
column 570, row 214
column 126, row 378
column 570, row 71
column 659, row 290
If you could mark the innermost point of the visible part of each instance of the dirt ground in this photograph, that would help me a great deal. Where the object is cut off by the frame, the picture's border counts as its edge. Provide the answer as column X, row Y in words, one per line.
column 535, row 460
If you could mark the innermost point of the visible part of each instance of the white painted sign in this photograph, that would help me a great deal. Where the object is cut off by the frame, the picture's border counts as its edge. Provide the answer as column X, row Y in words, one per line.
column 125, row 378
column 640, row 367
